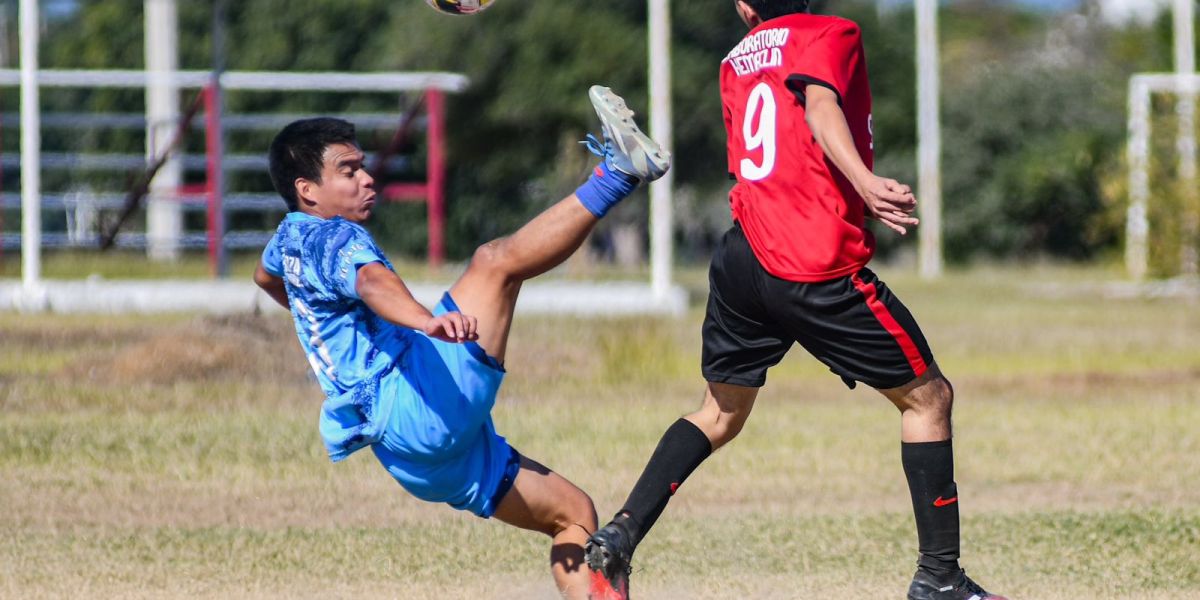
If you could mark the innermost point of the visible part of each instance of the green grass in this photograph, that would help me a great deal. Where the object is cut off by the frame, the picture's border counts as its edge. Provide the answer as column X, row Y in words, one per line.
column 177, row 456
column 768, row 556
column 124, row 264
column 194, row 264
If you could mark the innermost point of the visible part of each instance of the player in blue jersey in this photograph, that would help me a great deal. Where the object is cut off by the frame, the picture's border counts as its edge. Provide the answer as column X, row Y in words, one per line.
column 417, row 386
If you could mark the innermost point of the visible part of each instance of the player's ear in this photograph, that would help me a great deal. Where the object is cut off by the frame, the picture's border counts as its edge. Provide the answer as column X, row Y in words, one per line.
column 748, row 14
column 305, row 190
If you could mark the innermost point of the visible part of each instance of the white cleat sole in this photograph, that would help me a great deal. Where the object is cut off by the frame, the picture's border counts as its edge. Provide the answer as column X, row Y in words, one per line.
column 645, row 158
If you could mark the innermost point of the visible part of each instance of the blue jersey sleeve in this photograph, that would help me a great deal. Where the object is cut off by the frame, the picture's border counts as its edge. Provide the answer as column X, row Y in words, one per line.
column 347, row 249
column 272, row 258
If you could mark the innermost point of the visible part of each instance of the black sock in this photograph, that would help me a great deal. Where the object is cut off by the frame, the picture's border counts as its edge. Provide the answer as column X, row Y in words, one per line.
column 682, row 448
column 929, row 467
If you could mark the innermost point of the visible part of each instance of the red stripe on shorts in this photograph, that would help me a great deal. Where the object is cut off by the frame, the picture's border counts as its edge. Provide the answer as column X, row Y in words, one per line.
column 915, row 360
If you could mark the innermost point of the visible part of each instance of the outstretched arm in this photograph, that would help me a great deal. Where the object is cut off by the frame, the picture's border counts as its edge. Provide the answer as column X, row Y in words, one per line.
column 385, row 293
column 888, row 200
column 272, row 285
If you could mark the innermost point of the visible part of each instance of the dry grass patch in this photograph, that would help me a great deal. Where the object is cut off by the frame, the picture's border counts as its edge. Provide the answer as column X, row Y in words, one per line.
column 247, row 348
column 167, row 456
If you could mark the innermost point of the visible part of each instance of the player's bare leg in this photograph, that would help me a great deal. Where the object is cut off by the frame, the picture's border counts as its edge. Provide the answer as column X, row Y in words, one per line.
column 725, row 410
column 925, row 406
column 686, row 444
column 542, row 500
column 488, row 290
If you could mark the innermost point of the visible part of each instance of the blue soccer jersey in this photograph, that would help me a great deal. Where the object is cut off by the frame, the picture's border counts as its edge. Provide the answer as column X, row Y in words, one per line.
column 349, row 347
column 424, row 405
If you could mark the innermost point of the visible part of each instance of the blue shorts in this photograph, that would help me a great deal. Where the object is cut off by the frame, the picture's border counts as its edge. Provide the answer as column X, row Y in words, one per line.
column 439, row 442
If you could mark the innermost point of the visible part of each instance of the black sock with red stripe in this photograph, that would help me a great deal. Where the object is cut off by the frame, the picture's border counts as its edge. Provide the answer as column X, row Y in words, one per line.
column 929, row 467
column 682, row 448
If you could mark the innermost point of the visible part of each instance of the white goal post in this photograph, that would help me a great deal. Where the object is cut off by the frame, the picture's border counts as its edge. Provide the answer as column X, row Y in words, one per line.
column 1142, row 87
column 333, row 81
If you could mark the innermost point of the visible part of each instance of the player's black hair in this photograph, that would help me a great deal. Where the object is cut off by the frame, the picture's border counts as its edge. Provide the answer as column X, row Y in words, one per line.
column 298, row 151
column 769, row 9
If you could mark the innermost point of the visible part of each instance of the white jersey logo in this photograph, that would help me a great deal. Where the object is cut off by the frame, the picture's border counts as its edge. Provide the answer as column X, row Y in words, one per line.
column 291, row 268
column 759, row 51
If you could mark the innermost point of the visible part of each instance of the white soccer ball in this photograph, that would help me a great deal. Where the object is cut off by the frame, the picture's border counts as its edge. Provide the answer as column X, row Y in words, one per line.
column 459, row 7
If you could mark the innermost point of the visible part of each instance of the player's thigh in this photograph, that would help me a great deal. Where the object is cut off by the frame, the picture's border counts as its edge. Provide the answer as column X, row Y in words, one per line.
column 740, row 339
column 482, row 292
column 858, row 328
column 542, row 500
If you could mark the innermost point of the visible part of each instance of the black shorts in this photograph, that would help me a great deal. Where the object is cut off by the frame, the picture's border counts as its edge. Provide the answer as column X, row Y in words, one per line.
column 854, row 324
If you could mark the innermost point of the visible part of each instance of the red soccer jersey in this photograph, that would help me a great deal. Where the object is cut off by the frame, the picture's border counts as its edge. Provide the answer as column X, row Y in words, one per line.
column 801, row 216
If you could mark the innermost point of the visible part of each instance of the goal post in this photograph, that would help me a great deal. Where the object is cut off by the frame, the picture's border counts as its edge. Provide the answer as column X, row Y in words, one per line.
column 1142, row 88
column 31, row 186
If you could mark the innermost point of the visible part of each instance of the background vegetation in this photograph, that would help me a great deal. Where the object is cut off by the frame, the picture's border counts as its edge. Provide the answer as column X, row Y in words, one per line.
column 1033, row 107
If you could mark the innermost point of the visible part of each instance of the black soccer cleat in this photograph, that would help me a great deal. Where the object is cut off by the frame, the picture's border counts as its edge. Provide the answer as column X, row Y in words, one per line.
column 957, row 587
column 609, row 552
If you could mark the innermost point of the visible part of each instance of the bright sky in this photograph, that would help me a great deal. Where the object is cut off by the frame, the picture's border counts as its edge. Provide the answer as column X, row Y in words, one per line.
column 1113, row 10
column 1144, row 10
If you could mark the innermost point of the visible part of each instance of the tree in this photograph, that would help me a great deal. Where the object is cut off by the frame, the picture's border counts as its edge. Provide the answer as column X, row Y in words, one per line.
column 1028, row 139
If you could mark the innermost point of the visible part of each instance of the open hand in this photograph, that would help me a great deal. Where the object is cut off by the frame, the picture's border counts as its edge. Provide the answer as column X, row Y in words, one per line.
column 452, row 327
column 890, row 202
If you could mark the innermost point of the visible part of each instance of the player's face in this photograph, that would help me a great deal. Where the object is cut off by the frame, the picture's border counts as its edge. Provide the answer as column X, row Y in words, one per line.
column 346, row 190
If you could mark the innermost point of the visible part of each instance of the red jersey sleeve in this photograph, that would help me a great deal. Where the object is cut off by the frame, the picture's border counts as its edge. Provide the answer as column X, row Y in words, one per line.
column 830, row 60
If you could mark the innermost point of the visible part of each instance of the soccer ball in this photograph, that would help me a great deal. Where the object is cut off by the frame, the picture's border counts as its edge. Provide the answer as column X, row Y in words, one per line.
column 459, row 7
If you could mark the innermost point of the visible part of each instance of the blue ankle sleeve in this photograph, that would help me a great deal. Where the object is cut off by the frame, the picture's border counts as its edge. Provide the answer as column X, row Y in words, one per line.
column 604, row 189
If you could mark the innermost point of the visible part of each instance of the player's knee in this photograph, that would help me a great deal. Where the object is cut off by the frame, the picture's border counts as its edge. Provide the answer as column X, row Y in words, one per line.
column 947, row 392
column 720, row 426
column 727, row 429
column 577, row 510
column 936, row 397
column 489, row 257
column 941, row 393
column 495, row 257
column 931, row 395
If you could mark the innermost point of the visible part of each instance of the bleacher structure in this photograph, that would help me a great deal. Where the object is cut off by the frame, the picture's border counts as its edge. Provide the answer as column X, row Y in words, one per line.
column 81, row 206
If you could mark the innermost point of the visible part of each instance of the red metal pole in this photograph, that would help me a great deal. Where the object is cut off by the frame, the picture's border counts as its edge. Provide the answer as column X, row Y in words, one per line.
column 212, row 143
column 2, row 207
column 435, row 107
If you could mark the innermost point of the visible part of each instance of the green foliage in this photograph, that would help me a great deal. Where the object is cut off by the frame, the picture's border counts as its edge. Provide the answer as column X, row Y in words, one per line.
column 530, row 68
column 1023, row 163
column 1030, row 136
column 1171, row 197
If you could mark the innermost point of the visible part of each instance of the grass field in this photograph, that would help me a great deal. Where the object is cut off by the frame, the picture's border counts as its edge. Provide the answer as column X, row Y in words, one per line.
column 168, row 456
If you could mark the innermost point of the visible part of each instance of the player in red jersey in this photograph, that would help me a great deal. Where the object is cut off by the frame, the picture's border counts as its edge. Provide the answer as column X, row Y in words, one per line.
column 797, row 106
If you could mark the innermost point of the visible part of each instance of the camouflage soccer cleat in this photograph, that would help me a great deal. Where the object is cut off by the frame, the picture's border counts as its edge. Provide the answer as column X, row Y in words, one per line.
column 608, row 554
column 627, row 149
column 959, row 587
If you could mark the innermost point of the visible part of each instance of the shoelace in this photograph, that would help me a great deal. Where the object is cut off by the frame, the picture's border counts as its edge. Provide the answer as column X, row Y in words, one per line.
column 603, row 150
column 970, row 586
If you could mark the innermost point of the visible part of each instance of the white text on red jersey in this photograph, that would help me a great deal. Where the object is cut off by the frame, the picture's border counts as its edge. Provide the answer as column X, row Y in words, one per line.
column 758, row 51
